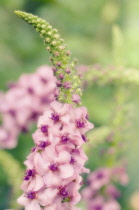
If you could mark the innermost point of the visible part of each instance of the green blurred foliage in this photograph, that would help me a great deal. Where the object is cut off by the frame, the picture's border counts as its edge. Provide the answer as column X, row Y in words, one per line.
column 87, row 28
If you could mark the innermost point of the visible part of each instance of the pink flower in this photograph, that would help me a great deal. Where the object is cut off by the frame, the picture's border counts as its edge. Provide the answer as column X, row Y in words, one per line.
column 32, row 199
column 80, row 116
column 57, row 114
column 99, row 178
column 32, row 181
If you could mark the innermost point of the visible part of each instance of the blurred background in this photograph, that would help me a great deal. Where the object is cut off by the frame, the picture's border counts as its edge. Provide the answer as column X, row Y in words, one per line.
column 87, row 28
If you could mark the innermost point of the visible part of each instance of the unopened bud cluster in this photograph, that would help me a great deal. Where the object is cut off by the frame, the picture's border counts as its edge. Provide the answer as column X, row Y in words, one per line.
column 64, row 70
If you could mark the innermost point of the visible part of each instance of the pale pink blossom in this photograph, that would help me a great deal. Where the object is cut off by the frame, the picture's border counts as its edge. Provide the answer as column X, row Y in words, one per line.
column 80, row 119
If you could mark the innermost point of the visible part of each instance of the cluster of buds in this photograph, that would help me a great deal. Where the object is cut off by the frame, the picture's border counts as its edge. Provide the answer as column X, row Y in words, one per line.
column 52, row 178
column 101, row 192
column 24, row 102
column 64, row 70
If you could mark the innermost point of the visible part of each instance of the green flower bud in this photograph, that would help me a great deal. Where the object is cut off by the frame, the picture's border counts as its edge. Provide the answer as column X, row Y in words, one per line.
column 56, row 46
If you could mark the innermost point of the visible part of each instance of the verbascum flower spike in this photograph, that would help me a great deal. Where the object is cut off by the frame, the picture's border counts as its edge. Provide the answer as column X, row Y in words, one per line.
column 64, row 69
column 53, row 176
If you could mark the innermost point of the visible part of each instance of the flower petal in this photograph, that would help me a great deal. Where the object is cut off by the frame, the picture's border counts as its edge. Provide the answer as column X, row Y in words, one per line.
column 50, row 207
column 64, row 157
column 51, row 179
column 33, row 205
column 39, row 183
column 22, row 200
column 47, row 196
column 66, row 170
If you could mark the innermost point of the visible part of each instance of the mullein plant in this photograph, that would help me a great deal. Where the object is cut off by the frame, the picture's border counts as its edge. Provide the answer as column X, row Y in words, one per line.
column 101, row 191
column 54, row 166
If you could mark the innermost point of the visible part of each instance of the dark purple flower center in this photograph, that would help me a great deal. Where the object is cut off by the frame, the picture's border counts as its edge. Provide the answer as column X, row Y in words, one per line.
column 30, row 172
column 72, row 160
column 84, row 138
column 12, row 112
column 97, row 207
column 100, row 175
column 63, row 192
column 55, row 117
column 31, row 195
column 26, row 178
column 34, row 115
column 30, row 90
column 44, row 81
column 80, row 124
column 24, row 129
column 44, row 128
column 53, row 167
column 43, row 144
column 65, row 138
column 44, row 100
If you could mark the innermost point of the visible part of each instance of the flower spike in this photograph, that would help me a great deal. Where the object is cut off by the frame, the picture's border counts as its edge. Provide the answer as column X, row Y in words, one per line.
column 54, row 167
